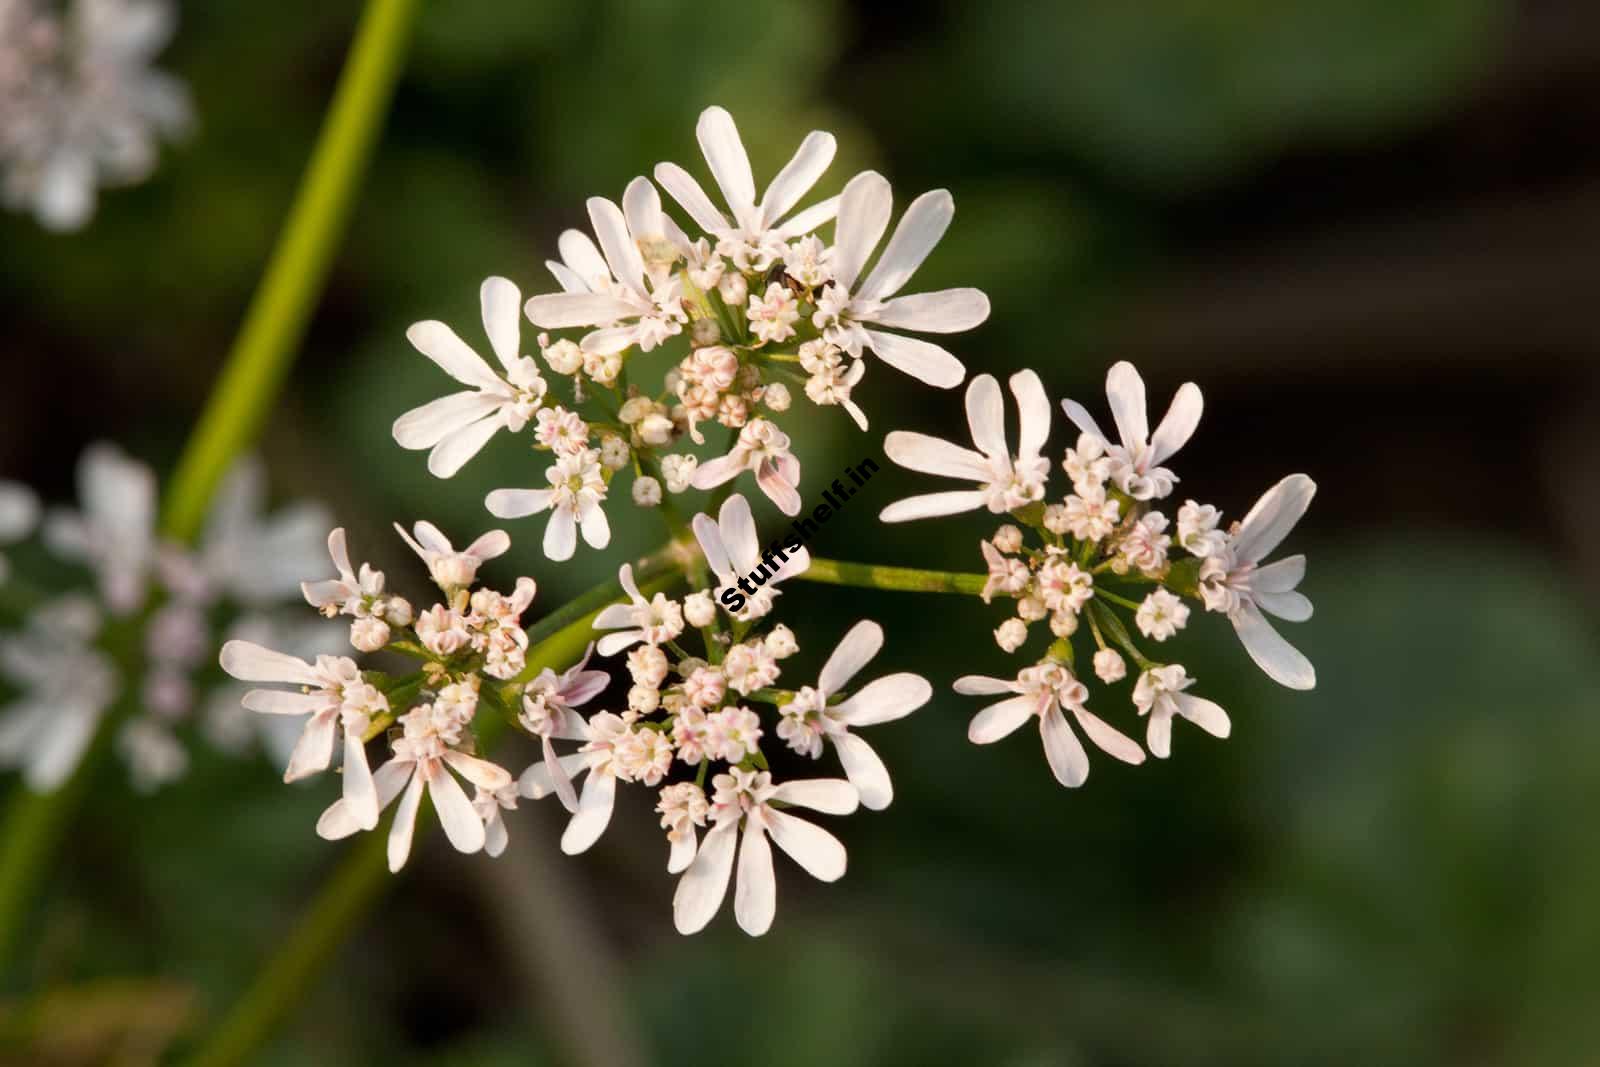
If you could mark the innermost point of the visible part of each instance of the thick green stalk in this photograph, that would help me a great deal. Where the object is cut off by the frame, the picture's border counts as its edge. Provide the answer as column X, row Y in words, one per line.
column 363, row 874
column 908, row 579
column 294, row 277
column 246, row 392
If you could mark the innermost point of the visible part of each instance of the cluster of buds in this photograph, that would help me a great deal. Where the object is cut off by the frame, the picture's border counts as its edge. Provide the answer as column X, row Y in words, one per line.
column 1106, row 548
column 754, row 303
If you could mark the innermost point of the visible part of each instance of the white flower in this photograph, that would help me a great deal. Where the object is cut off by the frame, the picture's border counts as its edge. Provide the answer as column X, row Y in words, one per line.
column 1043, row 690
column 629, row 304
column 809, row 262
column 732, row 733
column 647, row 665
column 66, row 685
column 733, row 551
column 1007, row 576
column 456, row 427
column 1109, row 667
column 334, row 695
column 1159, row 693
column 350, row 593
column 678, row 470
column 19, row 514
column 1236, row 582
column 86, row 107
column 750, row 666
column 847, row 309
column 489, row 803
column 764, row 449
column 886, row 699
column 643, row 755
column 1161, row 615
column 1011, row 635
column 443, row 631
column 423, row 759
column 1145, row 544
column 114, row 534
column 1005, row 482
column 1197, row 530
column 1063, row 586
column 576, row 489
column 781, row 642
column 755, row 236
column 1089, row 515
column 547, row 712
column 831, row 381
column 1087, row 465
column 601, row 735
column 682, row 807
column 654, row 621
column 449, row 569
column 743, row 799
column 772, row 316
column 563, row 432
column 1136, row 462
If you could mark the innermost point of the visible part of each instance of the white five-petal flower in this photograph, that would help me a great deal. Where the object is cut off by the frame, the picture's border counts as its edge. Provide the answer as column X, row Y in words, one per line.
column 1006, row 481
column 654, row 621
column 1159, row 693
column 1235, row 581
column 764, row 449
column 449, row 569
column 114, row 534
column 1136, row 461
column 847, row 310
column 456, row 427
column 884, row 700
column 577, row 488
column 743, row 800
column 1043, row 690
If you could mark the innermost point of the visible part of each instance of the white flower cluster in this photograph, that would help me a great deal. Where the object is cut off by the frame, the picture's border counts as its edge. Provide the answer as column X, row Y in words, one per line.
column 155, row 606
column 751, row 296
column 1106, row 545
column 692, row 727
column 80, row 105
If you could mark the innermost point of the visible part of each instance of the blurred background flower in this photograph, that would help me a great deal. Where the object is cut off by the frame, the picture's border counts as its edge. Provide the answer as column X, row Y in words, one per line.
column 1367, row 229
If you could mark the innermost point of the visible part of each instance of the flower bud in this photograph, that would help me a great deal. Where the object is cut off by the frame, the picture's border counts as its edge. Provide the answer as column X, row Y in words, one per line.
column 655, row 429
column 734, row 289
column 564, row 357
column 679, row 472
column 634, row 409
column 699, row 609
column 1011, row 634
column 1108, row 666
column 776, row 397
column 1031, row 609
column 369, row 634
column 1008, row 538
column 1064, row 623
column 704, row 332
column 646, row 491
column 614, row 452
column 397, row 611
column 781, row 643
column 643, row 699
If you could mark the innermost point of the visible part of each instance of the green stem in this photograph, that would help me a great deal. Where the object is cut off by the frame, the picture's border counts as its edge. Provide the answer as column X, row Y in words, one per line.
column 294, row 277
column 872, row 576
column 244, row 395
column 363, row 873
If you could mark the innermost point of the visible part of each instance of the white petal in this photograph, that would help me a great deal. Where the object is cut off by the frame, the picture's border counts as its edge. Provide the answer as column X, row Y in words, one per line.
column 59, row 747
column 641, row 207
column 537, row 783
column 453, row 355
column 250, row 662
column 490, row 777
column 561, row 535
column 596, row 527
column 714, row 472
column 339, row 822
column 611, row 644
column 682, row 854
column 885, row 700
column 860, row 644
column 705, row 883
column 1280, row 576
column 558, row 776
column 611, row 340
column 1290, row 607
column 502, row 319
column 456, row 814
column 865, row 770
column 919, row 231
column 864, row 209
column 1158, row 734
column 725, row 154
column 490, row 545
column 452, row 453
column 983, row 685
column 314, row 751
column 1281, row 661
column 1125, row 391
column 778, row 490
column 1062, row 750
column 932, row 505
column 803, row 222
column 495, row 837
column 710, row 537
column 517, row 503
column 945, row 311
column 933, row 455
column 580, row 255
column 1274, row 515
column 560, row 311
column 359, row 793
column 1082, row 419
column 1206, row 714
column 986, row 416
column 1001, row 720
column 755, row 896
column 923, row 360
column 280, row 702
column 593, row 815
column 1033, row 408
column 687, row 192
column 1107, row 738
column 831, row 796
column 620, row 249
column 1178, row 425
column 812, row 847
column 797, row 177
column 405, row 823
column 19, row 511
column 738, row 528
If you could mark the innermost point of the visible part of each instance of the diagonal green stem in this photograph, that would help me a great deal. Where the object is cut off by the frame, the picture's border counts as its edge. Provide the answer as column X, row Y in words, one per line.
column 873, row 576
column 363, row 873
column 244, row 395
